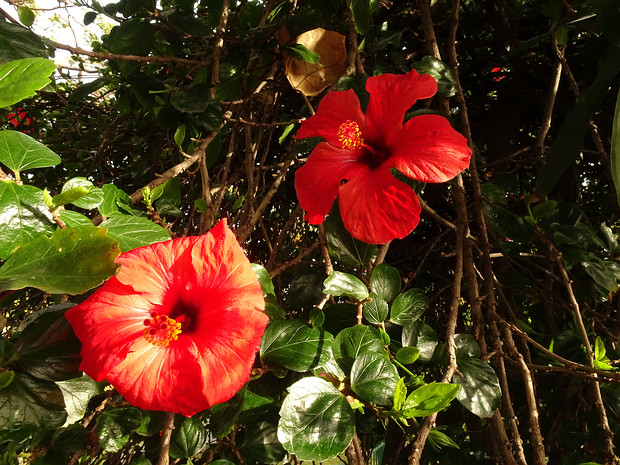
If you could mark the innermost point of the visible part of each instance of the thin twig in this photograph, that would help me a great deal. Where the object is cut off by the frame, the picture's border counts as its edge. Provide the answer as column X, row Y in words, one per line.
column 164, row 451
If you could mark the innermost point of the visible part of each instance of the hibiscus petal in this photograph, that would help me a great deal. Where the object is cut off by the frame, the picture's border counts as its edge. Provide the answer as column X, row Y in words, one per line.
column 377, row 208
column 428, row 149
column 391, row 95
column 318, row 180
column 334, row 109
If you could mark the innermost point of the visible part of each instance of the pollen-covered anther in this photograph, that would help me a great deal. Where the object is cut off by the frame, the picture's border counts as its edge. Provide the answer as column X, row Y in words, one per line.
column 350, row 135
column 161, row 329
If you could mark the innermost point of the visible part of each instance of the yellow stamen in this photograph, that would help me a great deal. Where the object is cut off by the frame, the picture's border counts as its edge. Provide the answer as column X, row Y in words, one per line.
column 350, row 136
column 161, row 329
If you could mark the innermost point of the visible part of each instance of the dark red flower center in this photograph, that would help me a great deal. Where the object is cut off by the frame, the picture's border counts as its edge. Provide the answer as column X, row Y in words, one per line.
column 161, row 329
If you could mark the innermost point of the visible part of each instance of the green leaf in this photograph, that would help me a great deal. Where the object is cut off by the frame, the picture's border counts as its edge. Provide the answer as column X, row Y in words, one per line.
column 408, row 307
column 385, row 282
column 17, row 42
column 374, row 378
column 345, row 284
column 446, row 84
column 89, row 17
column 428, row 399
column 480, row 391
column 132, row 232
column 407, row 355
column 303, row 53
column 23, row 216
column 73, row 219
column 264, row 279
column 114, row 426
column 47, row 347
column 84, row 90
column 375, row 310
column 26, row 17
column 30, row 402
column 77, row 393
column 354, row 341
column 419, row 334
column 72, row 261
column 316, row 421
column 116, row 200
column 466, row 346
column 567, row 145
column 21, row 152
column 92, row 198
column 342, row 246
column 361, row 14
column 438, row 440
column 292, row 344
column 187, row 438
column 6, row 378
column 599, row 349
column 69, row 196
column 21, row 78
column 262, row 444
column 400, row 394
column 604, row 272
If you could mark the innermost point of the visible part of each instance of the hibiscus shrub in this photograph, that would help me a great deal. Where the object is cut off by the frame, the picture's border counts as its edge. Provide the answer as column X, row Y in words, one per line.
column 270, row 232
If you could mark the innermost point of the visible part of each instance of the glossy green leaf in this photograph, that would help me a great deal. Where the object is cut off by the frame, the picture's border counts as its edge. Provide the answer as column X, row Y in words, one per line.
column 6, row 378
column 343, row 247
column 419, row 334
column 614, row 152
column 93, row 197
column 132, row 232
column 361, row 14
column 374, row 378
column 303, row 53
column 428, row 399
column 400, row 394
column 116, row 200
column 30, row 402
column 82, row 91
column 114, row 427
column 605, row 273
column 188, row 437
column 23, row 216
column 439, row 440
column 264, row 279
column 292, row 344
column 47, row 347
column 74, row 219
column 17, row 42
column 68, row 196
column 340, row 283
column 26, row 17
column 408, row 307
column 316, row 421
column 262, row 444
column 72, row 261
column 21, row 78
column 407, row 355
column 446, row 84
column 480, row 391
column 355, row 341
column 385, row 282
column 77, row 393
column 21, row 152
column 375, row 310
column 567, row 144
column 466, row 346
column 599, row 349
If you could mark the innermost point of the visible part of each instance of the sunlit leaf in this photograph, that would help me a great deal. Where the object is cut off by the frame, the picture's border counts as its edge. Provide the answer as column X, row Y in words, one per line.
column 21, row 152
column 132, row 232
column 385, row 282
column 72, row 261
column 340, row 283
column 21, row 78
column 480, row 391
column 355, row 341
column 374, row 378
column 429, row 399
column 316, row 421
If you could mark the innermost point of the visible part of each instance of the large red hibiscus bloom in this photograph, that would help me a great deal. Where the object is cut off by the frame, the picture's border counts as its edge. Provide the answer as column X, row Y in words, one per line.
column 360, row 149
column 178, row 327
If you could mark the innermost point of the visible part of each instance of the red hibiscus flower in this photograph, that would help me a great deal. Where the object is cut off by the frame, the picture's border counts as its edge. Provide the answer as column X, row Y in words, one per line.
column 178, row 327
column 360, row 149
